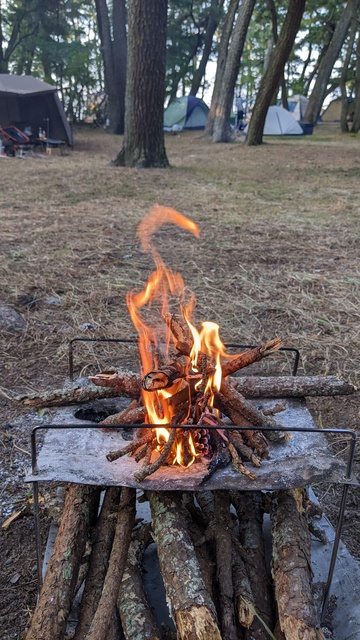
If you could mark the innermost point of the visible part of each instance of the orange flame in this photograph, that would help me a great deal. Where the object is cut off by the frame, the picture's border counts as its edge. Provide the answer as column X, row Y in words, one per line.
column 162, row 289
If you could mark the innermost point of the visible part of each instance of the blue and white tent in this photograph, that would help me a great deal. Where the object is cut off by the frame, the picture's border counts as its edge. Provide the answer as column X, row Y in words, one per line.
column 186, row 112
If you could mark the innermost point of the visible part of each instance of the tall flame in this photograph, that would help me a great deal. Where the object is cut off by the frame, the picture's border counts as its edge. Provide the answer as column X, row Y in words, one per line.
column 164, row 287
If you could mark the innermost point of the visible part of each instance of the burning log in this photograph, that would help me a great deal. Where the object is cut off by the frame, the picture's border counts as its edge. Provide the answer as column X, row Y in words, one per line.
column 250, row 356
column 164, row 378
column 291, row 568
column 125, row 523
column 249, row 509
column 98, row 562
column 136, row 617
column 53, row 607
column 124, row 383
column 192, row 607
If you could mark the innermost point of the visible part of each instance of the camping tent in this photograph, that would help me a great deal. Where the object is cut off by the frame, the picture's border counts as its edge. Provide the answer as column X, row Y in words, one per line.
column 28, row 102
column 333, row 111
column 280, row 122
column 187, row 112
column 297, row 106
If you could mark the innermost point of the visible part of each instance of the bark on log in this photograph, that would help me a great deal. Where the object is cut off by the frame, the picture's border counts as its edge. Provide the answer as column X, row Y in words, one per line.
column 165, row 377
column 291, row 568
column 98, row 562
column 136, row 617
column 126, row 383
column 248, row 505
column 192, row 607
column 67, row 396
column 125, row 523
column 223, row 527
column 128, row 416
column 291, row 386
column 53, row 607
column 243, row 597
column 235, row 402
column 250, row 356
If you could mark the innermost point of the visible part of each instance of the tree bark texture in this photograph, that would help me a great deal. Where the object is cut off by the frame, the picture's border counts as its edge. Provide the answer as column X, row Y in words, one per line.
column 52, row 610
column 291, row 568
column 272, row 76
column 192, row 607
column 221, row 127
column 249, row 508
column 125, row 523
column 145, row 86
column 355, row 127
column 137, row 619
column 213, row 20
column 327, row 63
column 98, row 562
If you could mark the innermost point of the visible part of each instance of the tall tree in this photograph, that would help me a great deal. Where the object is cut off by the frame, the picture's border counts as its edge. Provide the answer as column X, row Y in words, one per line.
column 211, row 24
column 114, row 51
column 355, row 127
column 272, row 76
column 345, row 73
column 221, row 130
column 318, row 93
column 145, row 87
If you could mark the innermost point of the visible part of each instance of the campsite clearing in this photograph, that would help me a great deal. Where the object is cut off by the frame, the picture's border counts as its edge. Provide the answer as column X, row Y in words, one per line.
column 278, row 254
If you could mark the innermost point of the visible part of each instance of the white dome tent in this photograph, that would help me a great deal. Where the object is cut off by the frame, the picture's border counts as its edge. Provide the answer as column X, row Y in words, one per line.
column 280, row 122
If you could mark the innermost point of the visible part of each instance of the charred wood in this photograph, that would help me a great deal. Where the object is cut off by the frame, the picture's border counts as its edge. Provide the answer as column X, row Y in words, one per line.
column 250, row 356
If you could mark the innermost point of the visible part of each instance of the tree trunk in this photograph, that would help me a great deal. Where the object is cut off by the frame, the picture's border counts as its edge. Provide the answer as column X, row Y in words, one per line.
column 145, row 86
column 344, row 75
column 270, row 80
column 212, row 24
column 221, row 62
column 355, row 128
column 52, row 610
column 319, row 91
column 221, row 129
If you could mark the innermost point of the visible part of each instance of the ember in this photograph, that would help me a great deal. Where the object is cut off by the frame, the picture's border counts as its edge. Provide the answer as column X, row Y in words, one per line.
column 183, row 376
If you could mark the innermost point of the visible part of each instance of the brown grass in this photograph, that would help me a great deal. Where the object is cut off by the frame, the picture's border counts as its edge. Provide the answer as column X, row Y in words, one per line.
column 278, row 252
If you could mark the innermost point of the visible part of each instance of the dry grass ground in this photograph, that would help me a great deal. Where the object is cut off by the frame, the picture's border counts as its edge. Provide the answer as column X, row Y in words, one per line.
column 278, row 254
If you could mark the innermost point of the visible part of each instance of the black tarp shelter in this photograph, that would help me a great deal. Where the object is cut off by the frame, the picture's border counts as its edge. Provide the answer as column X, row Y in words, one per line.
column 28, row 102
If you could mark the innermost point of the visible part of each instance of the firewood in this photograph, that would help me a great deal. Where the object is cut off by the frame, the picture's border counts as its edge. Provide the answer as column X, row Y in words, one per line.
column 250, row 356
column 243, row 597
column 181, row 333
column 131, row 447
column 140, row 475
column 130, row 415
column 164, row 378
column 191, row 605
column 291, row 386
column 291, row 568
column 126, row 383
column 104, row 536
column 222, row 528
column 66, row 396
column 235, row 401
column 136, row 617
column 53, row 607
column 125, row 523
column 249, row 509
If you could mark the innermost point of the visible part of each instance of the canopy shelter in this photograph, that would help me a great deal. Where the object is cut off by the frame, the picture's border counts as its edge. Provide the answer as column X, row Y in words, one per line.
column 28, row 102
column 297, row 106
column 186, row 112
column 333, row 112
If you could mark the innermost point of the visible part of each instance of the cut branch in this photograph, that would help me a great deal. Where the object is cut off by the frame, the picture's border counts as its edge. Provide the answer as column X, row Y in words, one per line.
column 291, row 386
column 66, row 396
column 193, row 609
column 125, row 523
column 125, row 383
column 291, row 568
column 53, row 607
column 250, row 356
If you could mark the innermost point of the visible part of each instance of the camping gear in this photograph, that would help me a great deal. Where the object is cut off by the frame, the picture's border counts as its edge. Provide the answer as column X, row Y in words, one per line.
column 28, row 102
column 14, row 140
column 186, row 112
column 280, row 122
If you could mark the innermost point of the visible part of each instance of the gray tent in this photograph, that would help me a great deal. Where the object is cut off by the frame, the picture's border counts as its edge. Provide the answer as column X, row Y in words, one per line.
column 26, row 101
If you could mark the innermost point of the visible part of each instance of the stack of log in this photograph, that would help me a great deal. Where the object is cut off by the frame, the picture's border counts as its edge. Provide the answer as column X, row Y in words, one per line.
column 219, row 580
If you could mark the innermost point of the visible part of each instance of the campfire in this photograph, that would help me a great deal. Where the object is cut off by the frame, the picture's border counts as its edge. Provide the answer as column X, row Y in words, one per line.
column 185, row 393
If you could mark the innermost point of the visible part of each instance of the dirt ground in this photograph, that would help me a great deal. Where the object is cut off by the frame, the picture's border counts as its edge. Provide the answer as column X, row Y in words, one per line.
column 278, row 255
